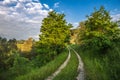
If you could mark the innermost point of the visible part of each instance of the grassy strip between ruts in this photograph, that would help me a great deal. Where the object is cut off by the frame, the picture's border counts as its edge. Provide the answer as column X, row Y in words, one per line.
column 70, row 71
column 45, row 71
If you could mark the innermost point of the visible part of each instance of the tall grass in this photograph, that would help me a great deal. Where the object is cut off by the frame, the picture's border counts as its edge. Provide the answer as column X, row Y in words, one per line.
column 101, row 66
column 45, row 71
column 70, row 71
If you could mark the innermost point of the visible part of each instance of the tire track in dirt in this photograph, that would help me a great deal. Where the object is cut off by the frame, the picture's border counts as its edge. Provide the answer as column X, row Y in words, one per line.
column 81, row 74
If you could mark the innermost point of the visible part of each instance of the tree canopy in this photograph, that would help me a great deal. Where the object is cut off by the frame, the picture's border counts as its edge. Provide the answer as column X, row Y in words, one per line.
column 54, row 29
column 55, row 33
column 99, row 30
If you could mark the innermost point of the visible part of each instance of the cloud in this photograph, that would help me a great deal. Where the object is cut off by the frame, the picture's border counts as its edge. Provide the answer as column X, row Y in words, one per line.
column 115, row 17
column 115, row 14
column 115, row 11
column 21, row 19
column 56, row 5
column 9, row 1
column 46, row 6
column 75, row 24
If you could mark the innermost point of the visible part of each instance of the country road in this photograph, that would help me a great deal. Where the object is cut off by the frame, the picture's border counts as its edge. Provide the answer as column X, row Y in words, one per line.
column 80, row 66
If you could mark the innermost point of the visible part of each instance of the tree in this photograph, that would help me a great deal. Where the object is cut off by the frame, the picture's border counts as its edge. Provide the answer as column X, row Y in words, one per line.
column 99, row 30
column 55, row 34
column 54, row 29
column 7, row 49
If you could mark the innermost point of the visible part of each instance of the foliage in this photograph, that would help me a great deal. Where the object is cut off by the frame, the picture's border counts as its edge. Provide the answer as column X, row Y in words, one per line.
column 101, row 67
column 53, row 38
column 7, row 48
column 46, row 70
column 26, row 46
column 74, row 33
column 54, row 32
column 99, row 35
column 99, row 31
column 21, row 65
column 118, row 22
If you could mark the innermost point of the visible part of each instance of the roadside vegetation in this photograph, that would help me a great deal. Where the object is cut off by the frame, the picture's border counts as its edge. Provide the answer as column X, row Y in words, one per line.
column 101, row 67
column 46, row 70
column 98, row 42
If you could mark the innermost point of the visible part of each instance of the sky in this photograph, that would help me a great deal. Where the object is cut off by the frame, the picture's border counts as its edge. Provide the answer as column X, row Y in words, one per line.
column 22, row 19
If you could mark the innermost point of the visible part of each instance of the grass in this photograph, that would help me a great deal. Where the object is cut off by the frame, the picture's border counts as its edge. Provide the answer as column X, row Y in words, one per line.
column 45, row 71
column 101, row 67
column 70, row 71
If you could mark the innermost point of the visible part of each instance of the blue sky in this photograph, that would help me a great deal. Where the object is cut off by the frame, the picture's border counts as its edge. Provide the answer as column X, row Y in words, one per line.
column 76, row 10
column 22, row 19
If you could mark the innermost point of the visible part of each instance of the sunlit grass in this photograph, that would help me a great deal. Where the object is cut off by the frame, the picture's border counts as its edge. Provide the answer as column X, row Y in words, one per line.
column 45, row 71
column 70, row 71
column 105, row 67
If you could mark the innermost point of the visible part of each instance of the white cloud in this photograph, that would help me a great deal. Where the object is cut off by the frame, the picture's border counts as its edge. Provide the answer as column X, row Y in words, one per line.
column 50, row 9
column 46, row 6
column 6, row 1
column 24, row 1
column 115, row 14
column 23, row 19
column 56, row 5
column 75, row 24
column 115, row 17
column 2, row 13
column 9, row 1
column 19, row 5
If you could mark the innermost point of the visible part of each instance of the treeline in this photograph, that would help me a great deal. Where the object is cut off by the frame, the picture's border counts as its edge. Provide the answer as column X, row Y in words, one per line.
column 7, row 48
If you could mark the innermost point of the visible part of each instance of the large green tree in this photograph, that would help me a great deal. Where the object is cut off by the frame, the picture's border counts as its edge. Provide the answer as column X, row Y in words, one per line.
column 54, row 29
column 55, row 34
column 99, row 31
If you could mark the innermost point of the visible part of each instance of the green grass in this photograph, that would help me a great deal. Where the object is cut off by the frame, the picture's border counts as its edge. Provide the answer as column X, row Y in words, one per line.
column 101, row 67
column 70, row 71
column 45, row 71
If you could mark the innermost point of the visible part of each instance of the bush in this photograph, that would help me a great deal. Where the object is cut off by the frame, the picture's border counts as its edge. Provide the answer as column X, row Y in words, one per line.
column 21, row 66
